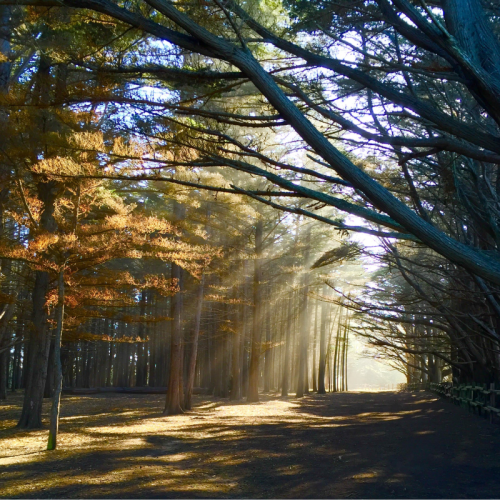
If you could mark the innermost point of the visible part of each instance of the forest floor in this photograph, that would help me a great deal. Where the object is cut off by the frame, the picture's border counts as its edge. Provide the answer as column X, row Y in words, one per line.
column 344, row 445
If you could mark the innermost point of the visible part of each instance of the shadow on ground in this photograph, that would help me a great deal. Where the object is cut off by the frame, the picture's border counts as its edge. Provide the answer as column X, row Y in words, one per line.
column 348, row 445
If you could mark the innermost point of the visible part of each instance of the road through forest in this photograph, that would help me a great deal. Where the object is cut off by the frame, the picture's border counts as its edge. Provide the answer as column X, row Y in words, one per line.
column 344, row 445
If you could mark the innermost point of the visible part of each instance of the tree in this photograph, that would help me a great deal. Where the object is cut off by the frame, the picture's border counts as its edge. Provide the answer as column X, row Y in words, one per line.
column 466, row 62
column 257, row 322
column 397, row 98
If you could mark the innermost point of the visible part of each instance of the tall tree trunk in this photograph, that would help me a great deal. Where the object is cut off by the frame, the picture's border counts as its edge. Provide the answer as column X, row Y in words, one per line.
column 225, row 361
column 112, row 354
column 8, row 309
column 4, row 373
column 253, row 376
column 16, row 367
column 245, row 329
column 49, row 383
column 346, row 349
column 5, row 334
column 56, row 402
column 336, row 353
column 285, row 383
column 218, row 351
column 154, row 346
column 322, row 347
column 302, row 354
column 5, row 74
column 315, row 341
column 173, row 403
column 296, row 334
column 340, row 365
column 302, row 382
column 31, row 415
column 194, row 346
column 268, row 351
column 236, row 353
column 210, row 352
column 140, row 380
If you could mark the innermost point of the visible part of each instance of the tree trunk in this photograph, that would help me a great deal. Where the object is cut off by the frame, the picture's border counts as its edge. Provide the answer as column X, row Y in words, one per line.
column 301, row 368
column 173, row 403
column 56, row 402
column 194, row 346
column 16, row 367
column 4, row 373
column 36, row 365
column 253, row 375
column 225, row 361
column 48, row 392
column 236, row 355
column 315, row 341
column 5, row 340
column 336, row 353
column 322, row 347
column 285, row 383
column 141, row 374
column 154, row 347
column 302, row 381
column 31, row 415
column 268, row 351
column 245, row 330
column 346, row 347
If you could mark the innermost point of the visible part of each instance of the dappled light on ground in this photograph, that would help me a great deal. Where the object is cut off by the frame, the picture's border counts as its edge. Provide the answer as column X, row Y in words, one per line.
column 371, row 445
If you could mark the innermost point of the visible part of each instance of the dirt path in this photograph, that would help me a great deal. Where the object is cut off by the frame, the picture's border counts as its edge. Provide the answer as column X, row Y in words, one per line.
column 352, row 445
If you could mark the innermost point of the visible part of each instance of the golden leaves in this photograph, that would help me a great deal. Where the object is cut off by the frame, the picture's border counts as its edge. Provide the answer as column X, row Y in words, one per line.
column 163, row 286
column 58, row 166
column 42, row 242
column 132, row 149
column 140, row 223
column 74, row 336
column 224, row 300
column 87, row 141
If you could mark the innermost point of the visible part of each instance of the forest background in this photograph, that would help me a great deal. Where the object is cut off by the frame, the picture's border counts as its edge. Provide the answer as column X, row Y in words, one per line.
column 181, row 181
